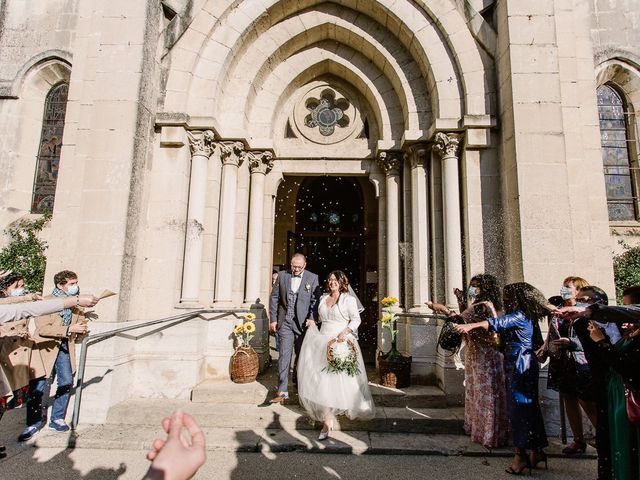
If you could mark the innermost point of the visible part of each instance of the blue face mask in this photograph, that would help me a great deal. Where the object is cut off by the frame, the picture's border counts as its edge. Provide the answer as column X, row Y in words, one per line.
column 17, row 292
column 566, row 293
column 73, row 290
column 472, row 292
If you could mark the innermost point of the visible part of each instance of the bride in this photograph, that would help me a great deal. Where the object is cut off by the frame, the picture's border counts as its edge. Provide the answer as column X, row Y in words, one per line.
column 323, row 393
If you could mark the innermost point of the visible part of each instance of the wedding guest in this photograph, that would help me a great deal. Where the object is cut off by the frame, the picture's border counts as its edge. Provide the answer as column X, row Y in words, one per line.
column 12, row 395
column 613, row 345
column 12, row 290
column 294, row 299
column 324, row 393
column 55, row 339
column 569, row 372
column 525, row 306
column 485, row 404
column 177, row 458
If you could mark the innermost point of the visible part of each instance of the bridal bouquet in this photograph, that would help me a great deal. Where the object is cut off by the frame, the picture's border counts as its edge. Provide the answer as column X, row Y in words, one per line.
column 244, row 331
column 342, row 357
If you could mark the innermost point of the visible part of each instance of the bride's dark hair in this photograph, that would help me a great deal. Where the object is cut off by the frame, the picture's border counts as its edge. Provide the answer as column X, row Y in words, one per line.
column 342, row 279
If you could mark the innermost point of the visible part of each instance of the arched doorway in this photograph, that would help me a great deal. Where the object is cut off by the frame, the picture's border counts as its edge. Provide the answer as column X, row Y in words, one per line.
column 333, row 221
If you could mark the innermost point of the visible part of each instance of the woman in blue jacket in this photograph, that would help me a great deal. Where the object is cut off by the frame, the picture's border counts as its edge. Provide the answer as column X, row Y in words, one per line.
column 519, row 332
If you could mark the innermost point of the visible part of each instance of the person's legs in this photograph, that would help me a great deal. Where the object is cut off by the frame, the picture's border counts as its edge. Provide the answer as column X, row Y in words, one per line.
column 35, row 412
column 287, row 339
column 590, row 409
column 36, row 415
column 574, row 415
column 64, row 383
column 297, row 345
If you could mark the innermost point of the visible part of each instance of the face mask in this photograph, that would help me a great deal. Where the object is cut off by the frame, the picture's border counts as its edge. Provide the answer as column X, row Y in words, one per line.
column 472, row 292
column 566, row 293
column 73, row 290
column 583, row 304
column 17, row 292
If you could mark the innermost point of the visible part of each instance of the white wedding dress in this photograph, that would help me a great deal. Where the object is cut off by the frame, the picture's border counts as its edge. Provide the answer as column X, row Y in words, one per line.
column 324, row 394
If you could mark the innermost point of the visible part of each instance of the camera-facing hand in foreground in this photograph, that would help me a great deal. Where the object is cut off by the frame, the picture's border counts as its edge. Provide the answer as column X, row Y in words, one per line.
column 177, row 458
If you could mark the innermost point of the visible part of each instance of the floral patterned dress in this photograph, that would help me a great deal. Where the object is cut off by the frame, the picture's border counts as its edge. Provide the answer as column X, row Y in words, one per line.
column 485, row 413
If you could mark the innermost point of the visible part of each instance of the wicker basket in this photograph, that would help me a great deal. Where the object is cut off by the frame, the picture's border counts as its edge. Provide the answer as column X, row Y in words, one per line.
column 395, row 373
column 244, row 365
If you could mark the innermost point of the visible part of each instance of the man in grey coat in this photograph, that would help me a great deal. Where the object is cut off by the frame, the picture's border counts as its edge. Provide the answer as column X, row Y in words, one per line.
column 293, row 306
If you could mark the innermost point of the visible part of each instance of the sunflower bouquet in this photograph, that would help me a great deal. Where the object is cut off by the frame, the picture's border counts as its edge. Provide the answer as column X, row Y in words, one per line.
column 244, row 331
column 390, row 320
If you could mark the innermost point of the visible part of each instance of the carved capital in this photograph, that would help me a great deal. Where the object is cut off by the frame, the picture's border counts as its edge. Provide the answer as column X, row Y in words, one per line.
column 390, row 162
column 417, row 155
column 259, row 161
column 231, row 153
column 201, row 142
column 447, row 144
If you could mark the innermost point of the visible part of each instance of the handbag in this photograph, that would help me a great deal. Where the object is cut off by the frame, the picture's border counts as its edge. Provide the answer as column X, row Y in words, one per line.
column 450, row 340
column 633, row 404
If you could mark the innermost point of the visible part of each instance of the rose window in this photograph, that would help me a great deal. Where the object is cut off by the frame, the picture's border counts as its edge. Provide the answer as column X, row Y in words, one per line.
column 326, row 112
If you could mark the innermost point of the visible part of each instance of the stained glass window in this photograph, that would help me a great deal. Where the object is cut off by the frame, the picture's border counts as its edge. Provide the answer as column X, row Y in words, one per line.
column 621, row 194
column 44, row 188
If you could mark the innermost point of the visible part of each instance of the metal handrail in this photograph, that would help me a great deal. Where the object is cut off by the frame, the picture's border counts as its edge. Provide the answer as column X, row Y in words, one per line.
column 89, row 340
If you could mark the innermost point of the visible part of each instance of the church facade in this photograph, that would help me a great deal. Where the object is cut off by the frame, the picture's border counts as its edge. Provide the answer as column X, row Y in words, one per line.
column 187, row 148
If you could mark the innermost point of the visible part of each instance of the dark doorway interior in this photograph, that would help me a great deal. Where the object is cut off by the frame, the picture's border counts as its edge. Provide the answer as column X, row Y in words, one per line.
column 330, row 229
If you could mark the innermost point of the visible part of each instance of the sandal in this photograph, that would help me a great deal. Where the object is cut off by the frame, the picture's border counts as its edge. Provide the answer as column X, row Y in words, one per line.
column 512, row 471
column 575, row 448
column 538, row 456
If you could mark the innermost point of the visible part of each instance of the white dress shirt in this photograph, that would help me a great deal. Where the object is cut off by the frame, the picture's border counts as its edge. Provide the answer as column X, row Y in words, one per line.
column 295, row 283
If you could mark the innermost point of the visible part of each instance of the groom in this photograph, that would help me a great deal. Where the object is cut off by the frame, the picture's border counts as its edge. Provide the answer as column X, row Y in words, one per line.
column 294, row 301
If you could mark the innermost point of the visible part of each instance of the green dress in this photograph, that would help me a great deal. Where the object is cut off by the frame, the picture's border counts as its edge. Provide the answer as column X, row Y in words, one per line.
column 625, row 437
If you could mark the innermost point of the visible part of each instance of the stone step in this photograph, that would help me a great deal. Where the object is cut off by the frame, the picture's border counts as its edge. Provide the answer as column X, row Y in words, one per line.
column 290, row 416
column 140, row 437
column 264, row 388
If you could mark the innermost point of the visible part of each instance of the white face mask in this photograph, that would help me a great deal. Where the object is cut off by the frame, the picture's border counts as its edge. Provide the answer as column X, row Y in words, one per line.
column 566, row 293
column 17, row 292
column 73, row 290
column 472, row 292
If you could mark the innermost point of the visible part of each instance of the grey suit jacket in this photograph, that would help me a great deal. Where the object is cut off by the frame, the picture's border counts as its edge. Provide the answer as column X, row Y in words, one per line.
column 307, row 304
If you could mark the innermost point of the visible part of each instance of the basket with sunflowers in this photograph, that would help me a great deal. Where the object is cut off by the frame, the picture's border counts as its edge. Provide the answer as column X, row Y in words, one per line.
column 244, row 361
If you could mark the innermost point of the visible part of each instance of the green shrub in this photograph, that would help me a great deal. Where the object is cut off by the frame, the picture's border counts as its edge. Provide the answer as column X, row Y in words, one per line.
column 24, row 253
column 626, row 269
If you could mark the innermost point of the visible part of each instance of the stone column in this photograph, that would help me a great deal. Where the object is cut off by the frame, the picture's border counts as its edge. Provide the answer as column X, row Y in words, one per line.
column 202, row 146
column 417, row 156
column 390, row 163
column 447, row 145
column 231, row 157
column 260, row 163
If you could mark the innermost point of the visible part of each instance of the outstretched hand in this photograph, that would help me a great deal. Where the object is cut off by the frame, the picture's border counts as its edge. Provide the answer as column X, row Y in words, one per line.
column 177, row 458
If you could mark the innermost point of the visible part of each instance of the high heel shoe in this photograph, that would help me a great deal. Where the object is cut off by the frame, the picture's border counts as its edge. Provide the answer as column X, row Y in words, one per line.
column 537, row 457
column 324, row 434
column 575, row 447
column 512, row 471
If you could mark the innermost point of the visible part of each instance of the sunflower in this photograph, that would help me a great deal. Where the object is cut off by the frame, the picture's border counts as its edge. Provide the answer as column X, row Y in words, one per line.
column 250, row 316
column 239, row 330
column 386, row 318
column 389, row 301
column 249, row 327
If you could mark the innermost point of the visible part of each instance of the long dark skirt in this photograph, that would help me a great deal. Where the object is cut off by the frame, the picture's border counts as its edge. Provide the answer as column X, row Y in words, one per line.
column 527, row 426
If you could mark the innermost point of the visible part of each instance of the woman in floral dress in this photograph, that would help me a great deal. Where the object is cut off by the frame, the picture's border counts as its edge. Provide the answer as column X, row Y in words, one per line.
column 485, row 413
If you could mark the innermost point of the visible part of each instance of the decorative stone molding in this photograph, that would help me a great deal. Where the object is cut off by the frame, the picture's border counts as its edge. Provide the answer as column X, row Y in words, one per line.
column 447, row 144
column 201, row 142
column 231, row 153
column 417, row 155
column 259, row 161
column 390, row 162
